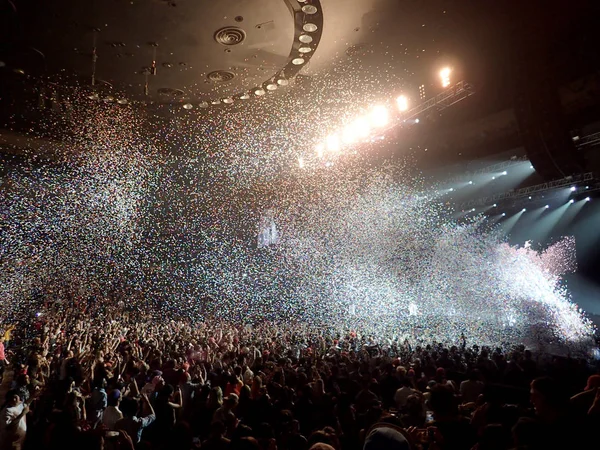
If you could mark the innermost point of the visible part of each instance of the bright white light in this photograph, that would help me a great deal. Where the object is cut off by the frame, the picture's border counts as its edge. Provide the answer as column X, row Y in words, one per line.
column 349, row 135
column 402, row 103
column 379, row 116
column 301, row 162
column 587, row 199
column 319, row 149
column 333, row 143
column 571, row 201
column 503, row 214
column 573, row 188
column 451, row 189
column 547, row 206
column 412, row 309
column 494, row 205
column 361, row 127
column 531, row 167
column 530, row 197
column 417, row 120
column 38, row 314
column 505, row 173
column 445, row 76
column 473, row 210
column 470, row 182
column 493, row 178
column 524, row 209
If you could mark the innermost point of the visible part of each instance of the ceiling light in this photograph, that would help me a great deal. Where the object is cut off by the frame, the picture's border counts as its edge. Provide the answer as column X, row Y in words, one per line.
column 402, row 103
column 271, row 86
column 379, row 116
column 244, row 96
column 123, row 101
column 259, row 91
column 319, row 150
column 298, row 61
column 283, row 82
column 305, row 49
column 228, row 101
column 349, row 134
column 417, row 120
column 310, row 27
column 333, row 143
column 305, row 38
column 215, row 102
column 361, row 126
column 203, row 105
column 187, row 106
column 309, row 9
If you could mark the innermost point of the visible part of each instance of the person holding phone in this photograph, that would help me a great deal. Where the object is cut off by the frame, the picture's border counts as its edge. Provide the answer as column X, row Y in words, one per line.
column 13, row 424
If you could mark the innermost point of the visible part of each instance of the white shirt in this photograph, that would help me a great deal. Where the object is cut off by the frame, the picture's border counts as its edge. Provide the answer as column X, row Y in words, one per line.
column 7, row 416
column 110, row 417
column 402, row 395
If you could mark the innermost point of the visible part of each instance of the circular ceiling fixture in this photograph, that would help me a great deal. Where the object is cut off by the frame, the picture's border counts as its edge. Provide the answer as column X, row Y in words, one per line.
column 203, row 105
column 230, row 36
column 215, row 102
column 271, row 86
column 220, row 76
column 187, row 106
column 228, row 101
column 283, row 82
column 259, row 91
column 305, row 49
column 244, row 96
column 310, row 27
column 298, row 61
column 309, row 9
column 305, row 38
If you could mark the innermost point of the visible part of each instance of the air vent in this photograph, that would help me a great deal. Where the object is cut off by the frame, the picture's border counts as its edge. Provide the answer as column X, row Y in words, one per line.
column 230, row 36
column 220, row 76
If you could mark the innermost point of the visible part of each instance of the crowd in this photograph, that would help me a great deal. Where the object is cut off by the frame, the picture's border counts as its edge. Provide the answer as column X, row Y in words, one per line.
column 78, row 379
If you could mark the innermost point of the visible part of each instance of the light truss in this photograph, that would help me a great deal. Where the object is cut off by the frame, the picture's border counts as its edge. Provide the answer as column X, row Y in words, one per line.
column 528, row 191
column 443, row 100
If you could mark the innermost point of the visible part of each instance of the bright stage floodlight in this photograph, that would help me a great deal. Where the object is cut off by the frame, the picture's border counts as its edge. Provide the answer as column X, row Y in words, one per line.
column 547, row 206
column 571, row 201
column 587, row 199
column 470, row 182
column 445, row 76
column 505, row 173
column 503, row 214
column 402, row 103
column 524, row 209
column 379, row 116
column 573, row 188
column 333, row 143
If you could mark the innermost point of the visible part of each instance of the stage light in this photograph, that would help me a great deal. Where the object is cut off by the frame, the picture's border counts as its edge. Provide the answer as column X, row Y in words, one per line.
column 470, row 182
column 379, row 116
column 505, row 173
column 451, row 189
column 573, row 188
column 587, row 199
column 531, row 167
column 319, row 149
column 524, row 209
column 402, row 103
column 349, row 135
column 361, row 127
column 417, row 120
column 571, row 201
column 333, row 143
column 493, row 178
column 503, row 214
column 494, row 205
column 530, row 197
column 547, row 206
column 445, row 76
column 473, row 210
column 587, row 187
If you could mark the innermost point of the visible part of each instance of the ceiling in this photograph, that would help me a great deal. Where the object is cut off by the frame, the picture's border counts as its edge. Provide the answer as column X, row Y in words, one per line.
column 198, row 52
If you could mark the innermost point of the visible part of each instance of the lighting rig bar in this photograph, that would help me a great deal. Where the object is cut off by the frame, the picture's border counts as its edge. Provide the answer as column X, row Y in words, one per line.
column 590, row 139
column 527, row 191
column 494, row 168
column 443, row 100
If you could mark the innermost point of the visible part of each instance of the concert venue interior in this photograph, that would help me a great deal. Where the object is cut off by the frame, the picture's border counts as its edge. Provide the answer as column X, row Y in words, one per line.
column 356, row 174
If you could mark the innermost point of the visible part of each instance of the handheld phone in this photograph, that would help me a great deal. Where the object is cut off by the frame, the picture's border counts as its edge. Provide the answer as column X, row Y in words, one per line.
column 429, row 417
